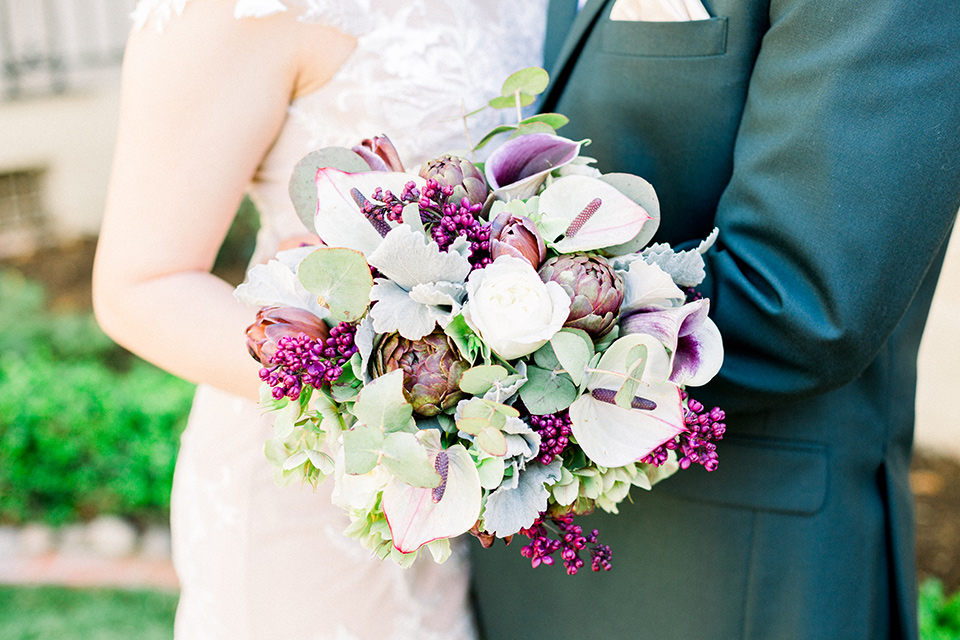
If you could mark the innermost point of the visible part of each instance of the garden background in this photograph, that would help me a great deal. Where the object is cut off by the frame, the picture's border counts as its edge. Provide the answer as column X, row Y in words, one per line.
column 89, row 433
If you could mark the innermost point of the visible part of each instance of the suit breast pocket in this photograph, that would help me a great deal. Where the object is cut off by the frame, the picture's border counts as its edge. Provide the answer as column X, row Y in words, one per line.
column 691, row 39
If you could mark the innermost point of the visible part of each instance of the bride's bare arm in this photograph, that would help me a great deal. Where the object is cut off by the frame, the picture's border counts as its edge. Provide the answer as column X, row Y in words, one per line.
column 201, row 104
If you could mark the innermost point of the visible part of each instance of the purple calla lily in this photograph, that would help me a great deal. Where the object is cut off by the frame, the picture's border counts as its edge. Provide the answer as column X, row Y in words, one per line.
column 688, row 333
column 519, row 166
column 379, row 153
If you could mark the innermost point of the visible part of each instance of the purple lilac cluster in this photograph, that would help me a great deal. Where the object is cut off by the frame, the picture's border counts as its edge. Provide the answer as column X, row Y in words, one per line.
column 697, row 445
column 692, row 293
column 570, row 542
column 554, row 430
column 301, row 360
column 386, row 206
column 446, row 221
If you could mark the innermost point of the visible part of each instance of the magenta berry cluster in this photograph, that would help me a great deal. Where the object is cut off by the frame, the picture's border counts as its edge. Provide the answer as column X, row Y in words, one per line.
column 698, row 444
column 304, row 361
column 570, row 542
column 555, row 430
column 446, row 221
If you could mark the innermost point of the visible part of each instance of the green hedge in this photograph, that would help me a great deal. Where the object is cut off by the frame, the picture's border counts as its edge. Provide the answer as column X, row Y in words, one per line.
column 85, row 428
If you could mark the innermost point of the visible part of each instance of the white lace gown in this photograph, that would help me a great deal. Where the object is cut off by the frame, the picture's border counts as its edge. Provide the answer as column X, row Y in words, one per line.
column 257, row 561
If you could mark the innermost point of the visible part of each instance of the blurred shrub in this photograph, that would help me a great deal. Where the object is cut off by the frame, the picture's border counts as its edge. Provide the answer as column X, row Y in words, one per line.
column 85, row 428
column 939, row 614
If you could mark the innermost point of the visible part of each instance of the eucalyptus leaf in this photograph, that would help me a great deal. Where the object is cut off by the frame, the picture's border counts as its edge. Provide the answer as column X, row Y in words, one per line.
column 546, row 358
column 361, row 449
column 533, row 127
column 303, row 188
column 547, row 391
column 341, row 279
column 574, row 349
column 493, row 134
column 532, row 80
column 491, row 472
column 509, row 102
column 478, row 380
column 492, row 441
column 553, row 120
column 406, row 458
column 381, row 404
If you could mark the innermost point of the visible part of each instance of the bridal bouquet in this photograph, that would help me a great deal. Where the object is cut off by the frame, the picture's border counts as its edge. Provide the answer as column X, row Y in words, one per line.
column 489, row 349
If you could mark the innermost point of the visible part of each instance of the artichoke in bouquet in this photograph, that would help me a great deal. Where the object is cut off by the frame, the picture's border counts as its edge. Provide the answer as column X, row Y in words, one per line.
column 595, row 290
column 432, row 368
column 461, row 174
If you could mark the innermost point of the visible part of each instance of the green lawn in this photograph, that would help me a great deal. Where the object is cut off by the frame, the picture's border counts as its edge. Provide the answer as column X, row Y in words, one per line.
column 59, row 613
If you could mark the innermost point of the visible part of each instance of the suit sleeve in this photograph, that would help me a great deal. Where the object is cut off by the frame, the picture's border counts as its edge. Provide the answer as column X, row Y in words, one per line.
column 845, row 184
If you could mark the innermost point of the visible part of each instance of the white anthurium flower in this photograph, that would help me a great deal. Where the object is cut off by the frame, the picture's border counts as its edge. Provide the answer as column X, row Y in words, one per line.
column 512, row 310
column 580, row 213
column 417, row 515
column 276, row 284
column 339, row 220
column 647, row 286
column 689, row 335
column 357, row 492
column 423, row 286
column 614, row 436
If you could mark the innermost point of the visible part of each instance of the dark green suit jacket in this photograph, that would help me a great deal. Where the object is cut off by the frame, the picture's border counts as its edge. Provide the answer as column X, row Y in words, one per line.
column 823, row 138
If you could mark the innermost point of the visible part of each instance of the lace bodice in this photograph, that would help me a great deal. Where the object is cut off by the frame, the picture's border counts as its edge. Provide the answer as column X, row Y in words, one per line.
column 417, row 66
column 253, row 558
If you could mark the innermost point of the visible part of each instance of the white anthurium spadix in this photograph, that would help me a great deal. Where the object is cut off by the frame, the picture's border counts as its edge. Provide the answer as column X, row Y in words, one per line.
column 579, row 213
column 340, row 221
column 689, row 335
column 613, row 435
column 418, row 515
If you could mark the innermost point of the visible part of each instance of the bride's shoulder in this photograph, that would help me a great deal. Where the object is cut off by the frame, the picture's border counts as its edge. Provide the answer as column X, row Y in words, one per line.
column 332, row 12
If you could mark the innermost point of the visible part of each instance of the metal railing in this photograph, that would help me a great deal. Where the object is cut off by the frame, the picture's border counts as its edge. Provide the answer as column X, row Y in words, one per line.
column 48, row 46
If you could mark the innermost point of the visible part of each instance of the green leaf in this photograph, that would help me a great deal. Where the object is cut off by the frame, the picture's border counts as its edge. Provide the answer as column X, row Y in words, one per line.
column 473, row 426
column 553, row 120
column 546, row 358
column 532, row 80
column 478, row 380
column 295, row 460
column 574, row 349
column 321, row 461
column 533, row 127
column 493, row 133
column 381, row 404
column 510, row 102
column 405, row 457
column 547, row 391
column 492, row 441
column 491, row 472
column 341, row 279
column 303, row 182
column 361, row 449
column 464, row 337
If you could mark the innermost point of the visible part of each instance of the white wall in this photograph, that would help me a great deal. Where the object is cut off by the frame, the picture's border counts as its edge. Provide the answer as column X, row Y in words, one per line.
column 938, row 390
column 71, row 137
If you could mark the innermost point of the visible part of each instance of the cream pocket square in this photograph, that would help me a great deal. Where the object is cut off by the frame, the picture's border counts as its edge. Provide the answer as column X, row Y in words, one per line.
column 658, row 10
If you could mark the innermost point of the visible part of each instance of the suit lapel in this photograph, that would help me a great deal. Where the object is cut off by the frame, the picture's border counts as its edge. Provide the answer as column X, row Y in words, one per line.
column 574, row 39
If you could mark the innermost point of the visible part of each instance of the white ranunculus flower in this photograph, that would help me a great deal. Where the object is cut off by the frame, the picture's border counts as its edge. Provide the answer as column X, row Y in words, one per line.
column 511, row 309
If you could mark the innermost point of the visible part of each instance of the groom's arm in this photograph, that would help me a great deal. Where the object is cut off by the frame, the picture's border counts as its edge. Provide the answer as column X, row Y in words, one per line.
column 846, row 181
